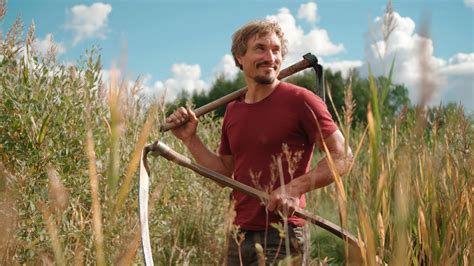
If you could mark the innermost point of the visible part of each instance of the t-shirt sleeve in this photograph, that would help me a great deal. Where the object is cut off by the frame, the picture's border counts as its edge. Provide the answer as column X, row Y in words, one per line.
column 317, row 121
column 224, row 147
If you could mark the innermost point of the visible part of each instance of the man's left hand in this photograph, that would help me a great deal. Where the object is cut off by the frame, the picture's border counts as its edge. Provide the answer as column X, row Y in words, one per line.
column 281, row 200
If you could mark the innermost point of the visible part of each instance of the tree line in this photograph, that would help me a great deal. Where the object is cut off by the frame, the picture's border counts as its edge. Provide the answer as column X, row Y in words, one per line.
column 393, row 99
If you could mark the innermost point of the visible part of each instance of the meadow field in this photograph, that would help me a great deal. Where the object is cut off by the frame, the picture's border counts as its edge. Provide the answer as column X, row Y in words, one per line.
column 70, row 148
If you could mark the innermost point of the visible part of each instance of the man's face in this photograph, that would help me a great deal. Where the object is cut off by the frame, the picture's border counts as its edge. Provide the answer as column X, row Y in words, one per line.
column 262, row 60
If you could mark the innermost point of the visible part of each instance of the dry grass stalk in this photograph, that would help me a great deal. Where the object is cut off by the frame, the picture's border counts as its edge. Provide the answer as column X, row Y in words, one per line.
column 388, row 26
column 53, row 234
column 424, row 238
column 135, row 160
column 128, row 253
column 469, row 256
column 3, row 11
column 58, row 195
column 8, row 216
column 50, row 58
column 349, row 105
column 389, row 23
column 402, row 242
column 357, row 151
column 332, row 166
column 292, row 159
column 30, row 38
column 228, row 229
column 116, row 117
column 363, row 248
column 239, row 238
column 96, row 209
column 381, row 187
column 78, row 253
column 328, row 89
column 381, row 226
column 334, row 169
column 369, row 240
column 13, row 37
column 285, row 213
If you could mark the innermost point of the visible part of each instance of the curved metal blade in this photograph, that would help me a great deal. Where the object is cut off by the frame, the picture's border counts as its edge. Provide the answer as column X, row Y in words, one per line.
column 143, row 194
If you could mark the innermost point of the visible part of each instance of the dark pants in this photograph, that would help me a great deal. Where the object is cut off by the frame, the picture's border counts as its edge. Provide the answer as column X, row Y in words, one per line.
column 273, row 251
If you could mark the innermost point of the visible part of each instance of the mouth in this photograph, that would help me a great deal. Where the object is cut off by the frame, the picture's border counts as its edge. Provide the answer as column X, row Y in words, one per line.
column 265, row 65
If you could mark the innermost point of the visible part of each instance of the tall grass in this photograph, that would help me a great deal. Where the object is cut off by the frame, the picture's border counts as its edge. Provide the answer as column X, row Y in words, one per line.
column 64, row 118
column 411, row 186
column 69, row 151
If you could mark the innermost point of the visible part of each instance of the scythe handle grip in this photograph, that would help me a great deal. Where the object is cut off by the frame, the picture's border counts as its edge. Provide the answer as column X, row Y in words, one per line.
column 297, row 67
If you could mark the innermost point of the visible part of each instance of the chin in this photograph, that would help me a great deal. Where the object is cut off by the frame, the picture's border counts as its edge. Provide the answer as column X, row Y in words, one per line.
column 265, row 79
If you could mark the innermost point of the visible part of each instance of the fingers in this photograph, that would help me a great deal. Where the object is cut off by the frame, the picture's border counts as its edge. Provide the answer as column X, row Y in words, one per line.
column 283, row 203
column 287, row 206
column 192, row 115
column 181, row 115
column 291, row 210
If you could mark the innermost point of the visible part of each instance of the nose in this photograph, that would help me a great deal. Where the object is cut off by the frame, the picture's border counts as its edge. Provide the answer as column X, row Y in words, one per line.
column 269, row 56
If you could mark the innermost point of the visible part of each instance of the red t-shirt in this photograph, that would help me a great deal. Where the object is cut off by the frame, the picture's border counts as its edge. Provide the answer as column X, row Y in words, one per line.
column 254, row 135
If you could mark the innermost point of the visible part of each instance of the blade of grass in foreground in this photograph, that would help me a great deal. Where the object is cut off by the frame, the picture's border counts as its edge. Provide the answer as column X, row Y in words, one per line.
column 53, row 233
column 134, row 162
column 126, row 257
column 116, row 121
column 368, row 234
column 96, row 210
column 374, row 124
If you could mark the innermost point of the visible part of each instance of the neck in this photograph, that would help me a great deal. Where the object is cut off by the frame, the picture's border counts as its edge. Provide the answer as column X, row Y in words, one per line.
column 257, row 92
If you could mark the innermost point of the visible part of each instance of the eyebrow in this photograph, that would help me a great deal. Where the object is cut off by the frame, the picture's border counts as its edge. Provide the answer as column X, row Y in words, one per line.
column 259, row 44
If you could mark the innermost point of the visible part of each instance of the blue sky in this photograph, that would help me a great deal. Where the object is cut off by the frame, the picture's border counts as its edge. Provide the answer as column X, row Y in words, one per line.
column 184, row 44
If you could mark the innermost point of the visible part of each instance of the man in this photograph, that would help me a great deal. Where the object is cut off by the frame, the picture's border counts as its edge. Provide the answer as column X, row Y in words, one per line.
column 268, row 138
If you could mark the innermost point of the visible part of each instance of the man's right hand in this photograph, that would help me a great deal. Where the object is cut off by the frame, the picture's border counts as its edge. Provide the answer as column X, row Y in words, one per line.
column 188, row 130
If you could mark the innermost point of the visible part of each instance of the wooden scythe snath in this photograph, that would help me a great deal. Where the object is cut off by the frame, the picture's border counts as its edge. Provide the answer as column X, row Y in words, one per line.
column 159, row 148
column 309, row 61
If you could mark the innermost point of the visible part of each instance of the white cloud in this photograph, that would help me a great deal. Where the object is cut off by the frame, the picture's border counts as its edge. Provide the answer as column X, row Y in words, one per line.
column 316, row 41
column 308, row 12
column 469, row 3
column 457, row 80
column 188, row 77
column 452, row 79
column 88, row 21
column 227, row 68
column 344, row 66
column 44, row 45
column 110, row 74
column 460, row 64
column 403, row 45
column 185, row 77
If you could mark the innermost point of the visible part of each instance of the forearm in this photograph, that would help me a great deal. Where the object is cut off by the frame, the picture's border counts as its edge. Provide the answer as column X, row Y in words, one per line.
column 321, row 175
column 206, row 157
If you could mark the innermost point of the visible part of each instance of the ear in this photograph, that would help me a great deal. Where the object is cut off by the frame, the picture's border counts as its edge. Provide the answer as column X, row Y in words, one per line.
column 239, row 59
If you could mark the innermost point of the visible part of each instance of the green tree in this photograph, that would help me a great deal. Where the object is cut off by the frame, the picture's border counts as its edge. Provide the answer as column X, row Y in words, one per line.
column 394, row 101
column 306, row 80
column 223, row 86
